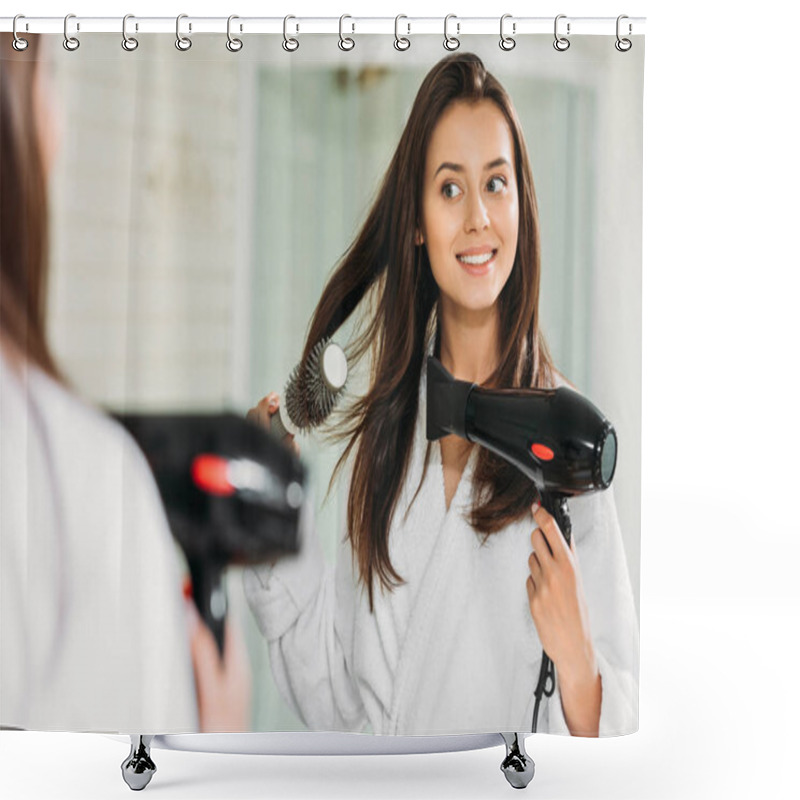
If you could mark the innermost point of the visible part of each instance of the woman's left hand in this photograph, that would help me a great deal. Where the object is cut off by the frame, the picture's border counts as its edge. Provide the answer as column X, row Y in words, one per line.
column 557, row 602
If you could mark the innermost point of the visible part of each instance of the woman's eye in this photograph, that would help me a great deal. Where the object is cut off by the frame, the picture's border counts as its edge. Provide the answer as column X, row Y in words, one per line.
column 496, row 184
column 450, row 190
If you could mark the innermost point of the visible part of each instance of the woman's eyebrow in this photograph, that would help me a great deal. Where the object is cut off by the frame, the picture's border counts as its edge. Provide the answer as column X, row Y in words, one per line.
column 448, row 165
column 498, row 162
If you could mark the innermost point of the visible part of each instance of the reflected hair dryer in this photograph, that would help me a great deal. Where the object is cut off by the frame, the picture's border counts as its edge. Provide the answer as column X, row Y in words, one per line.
column 556, row 437
column 232, row 494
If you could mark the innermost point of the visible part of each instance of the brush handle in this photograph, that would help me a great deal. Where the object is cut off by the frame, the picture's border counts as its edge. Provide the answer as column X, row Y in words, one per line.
column 281, row 427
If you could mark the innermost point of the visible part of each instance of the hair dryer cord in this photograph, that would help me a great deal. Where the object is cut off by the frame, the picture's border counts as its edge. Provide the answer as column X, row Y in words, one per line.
column 556, row 506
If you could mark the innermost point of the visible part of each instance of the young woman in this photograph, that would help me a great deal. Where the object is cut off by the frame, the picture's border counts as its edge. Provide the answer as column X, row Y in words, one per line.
column 95, row 636
column 446, row 589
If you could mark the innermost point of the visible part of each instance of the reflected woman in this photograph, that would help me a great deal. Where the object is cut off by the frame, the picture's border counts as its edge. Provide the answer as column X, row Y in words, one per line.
column 95, row 635
column 451, row 578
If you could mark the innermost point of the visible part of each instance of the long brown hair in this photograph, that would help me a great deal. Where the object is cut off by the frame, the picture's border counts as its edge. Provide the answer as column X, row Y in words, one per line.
column 385, row 258
column 23, row 209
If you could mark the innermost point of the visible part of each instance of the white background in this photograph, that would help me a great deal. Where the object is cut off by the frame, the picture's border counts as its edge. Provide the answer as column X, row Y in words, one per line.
column 720, row 605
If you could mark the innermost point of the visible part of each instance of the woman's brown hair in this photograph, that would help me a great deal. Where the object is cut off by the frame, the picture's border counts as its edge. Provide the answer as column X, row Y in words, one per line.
column 23, row 209
column 384, row 257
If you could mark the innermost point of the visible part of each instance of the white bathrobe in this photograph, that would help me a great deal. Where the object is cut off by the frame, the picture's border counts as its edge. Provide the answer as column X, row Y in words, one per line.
column 93, row 630
column 454, row 649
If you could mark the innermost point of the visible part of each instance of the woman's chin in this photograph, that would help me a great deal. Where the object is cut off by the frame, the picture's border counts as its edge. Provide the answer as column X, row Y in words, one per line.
column 471, row 303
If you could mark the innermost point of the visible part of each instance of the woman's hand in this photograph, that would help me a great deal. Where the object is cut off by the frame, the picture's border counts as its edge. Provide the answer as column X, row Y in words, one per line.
column 223, row 684
column 262, row 415
column 558, row 607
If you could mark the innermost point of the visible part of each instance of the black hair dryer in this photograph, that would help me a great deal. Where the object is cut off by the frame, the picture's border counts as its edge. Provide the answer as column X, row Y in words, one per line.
column 232, row 494
column 560, row 440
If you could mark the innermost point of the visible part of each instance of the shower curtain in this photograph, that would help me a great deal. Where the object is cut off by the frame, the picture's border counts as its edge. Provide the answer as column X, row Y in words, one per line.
column 200, row 200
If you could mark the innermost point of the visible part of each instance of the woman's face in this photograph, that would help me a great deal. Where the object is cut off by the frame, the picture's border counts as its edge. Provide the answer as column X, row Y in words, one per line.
column 470, row 206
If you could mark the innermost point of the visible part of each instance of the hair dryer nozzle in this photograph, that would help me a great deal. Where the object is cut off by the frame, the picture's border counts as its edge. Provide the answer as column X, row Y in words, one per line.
column 446, row 403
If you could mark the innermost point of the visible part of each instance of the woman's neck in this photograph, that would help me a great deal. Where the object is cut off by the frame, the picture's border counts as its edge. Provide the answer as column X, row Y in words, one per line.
column 469, row 348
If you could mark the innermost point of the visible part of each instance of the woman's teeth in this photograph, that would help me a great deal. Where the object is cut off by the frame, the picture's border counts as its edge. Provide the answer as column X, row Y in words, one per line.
column 475, row 260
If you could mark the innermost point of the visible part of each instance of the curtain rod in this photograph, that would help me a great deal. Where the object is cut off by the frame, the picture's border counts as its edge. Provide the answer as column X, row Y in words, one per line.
column 406, row 26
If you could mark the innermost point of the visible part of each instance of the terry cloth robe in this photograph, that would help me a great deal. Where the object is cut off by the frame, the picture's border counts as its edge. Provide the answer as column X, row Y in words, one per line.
column 93, row 629
column 454, row 649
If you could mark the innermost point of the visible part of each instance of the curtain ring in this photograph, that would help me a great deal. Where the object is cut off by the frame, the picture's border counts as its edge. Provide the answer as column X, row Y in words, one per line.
column 129, row 43
column 561, row 43
column 507, row 42
column 183, row 43
column 401, row 42
column 290, row 44
column 346, row 43
column 623, row 45
column 233, row 44
column 19, row 44
column 451, row 42
column 71, row 43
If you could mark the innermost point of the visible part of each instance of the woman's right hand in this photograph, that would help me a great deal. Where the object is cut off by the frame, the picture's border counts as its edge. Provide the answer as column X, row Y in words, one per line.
column 262, row 415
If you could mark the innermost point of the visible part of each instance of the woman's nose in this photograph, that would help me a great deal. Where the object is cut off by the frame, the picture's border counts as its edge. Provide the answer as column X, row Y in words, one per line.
column 477, row 216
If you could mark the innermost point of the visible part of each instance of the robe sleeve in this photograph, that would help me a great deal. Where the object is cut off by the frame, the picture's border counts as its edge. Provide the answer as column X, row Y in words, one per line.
column 92, row 620
column 308, row 629
column 612, row 616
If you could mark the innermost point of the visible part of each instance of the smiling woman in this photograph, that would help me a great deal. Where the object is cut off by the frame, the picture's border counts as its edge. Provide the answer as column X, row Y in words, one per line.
column 434, row 617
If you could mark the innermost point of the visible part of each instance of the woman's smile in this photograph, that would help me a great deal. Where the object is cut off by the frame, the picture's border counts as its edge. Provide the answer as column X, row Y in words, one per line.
column 477, row 260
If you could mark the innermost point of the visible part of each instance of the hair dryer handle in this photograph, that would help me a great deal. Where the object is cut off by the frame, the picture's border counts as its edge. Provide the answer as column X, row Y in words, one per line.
column 556, row 505
column 208, row 592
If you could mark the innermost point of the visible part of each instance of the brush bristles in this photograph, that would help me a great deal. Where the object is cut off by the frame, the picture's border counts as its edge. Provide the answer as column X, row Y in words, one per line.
column 309, row 400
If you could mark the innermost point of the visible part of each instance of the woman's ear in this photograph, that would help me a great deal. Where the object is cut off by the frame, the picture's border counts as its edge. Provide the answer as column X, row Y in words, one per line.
column 418, row 237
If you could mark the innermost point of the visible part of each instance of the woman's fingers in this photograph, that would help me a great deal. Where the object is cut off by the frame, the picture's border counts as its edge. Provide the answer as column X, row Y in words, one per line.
column 223, row 685
column 535, row 569
column 205, row 655
column 262, row 413
column 541, row 547
column 557, row 544
column 551, row 553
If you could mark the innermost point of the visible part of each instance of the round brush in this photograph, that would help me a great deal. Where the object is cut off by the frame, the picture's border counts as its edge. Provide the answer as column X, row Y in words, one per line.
column 312, row 390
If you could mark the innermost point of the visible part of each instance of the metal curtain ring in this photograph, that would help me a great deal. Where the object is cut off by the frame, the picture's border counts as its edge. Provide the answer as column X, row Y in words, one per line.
column 507, row 42
column 129, row 43
column 233, row 44
column 19, row 44
column 623, row 45
column 71, row 43
column 290, row 44
column 401, row 42
column 183, row 43
column 561, row 43
column 451, row 42
column 345, row 42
